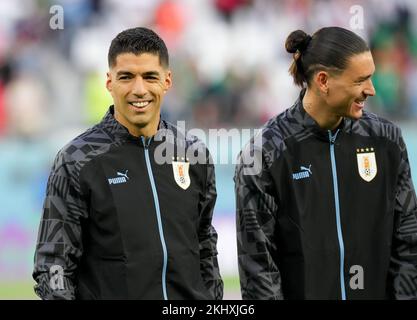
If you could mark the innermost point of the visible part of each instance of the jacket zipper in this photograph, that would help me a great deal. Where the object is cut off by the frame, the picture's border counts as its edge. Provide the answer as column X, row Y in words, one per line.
column 158, row 215
column 332, row 139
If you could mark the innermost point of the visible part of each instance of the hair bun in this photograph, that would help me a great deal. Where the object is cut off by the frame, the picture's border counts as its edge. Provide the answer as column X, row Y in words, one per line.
column 297, row 41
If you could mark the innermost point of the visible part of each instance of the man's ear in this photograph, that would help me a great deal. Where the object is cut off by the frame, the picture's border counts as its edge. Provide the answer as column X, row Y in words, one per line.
column 109, row 83
column 168, row 81
column 322, row 81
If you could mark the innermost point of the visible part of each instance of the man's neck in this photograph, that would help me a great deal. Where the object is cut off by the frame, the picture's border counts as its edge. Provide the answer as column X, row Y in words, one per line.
column 318, row 109
column 148, row 130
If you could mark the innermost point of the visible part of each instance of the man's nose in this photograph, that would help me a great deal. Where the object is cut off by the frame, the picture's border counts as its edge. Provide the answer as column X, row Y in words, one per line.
column 139, row 87
column 370, row 89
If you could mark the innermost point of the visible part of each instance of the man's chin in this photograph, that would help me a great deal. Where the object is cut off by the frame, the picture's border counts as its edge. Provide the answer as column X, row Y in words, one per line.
column 140, row 124
column 356, row 115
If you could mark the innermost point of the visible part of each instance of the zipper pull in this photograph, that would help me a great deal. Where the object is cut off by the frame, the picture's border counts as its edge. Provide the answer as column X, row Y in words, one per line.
column 143, row 139
column 332, row 138
column 146, row 142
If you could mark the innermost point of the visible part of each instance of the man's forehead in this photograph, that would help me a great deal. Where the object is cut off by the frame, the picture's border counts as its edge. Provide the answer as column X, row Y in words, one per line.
column 361, row 64
column 137, row 61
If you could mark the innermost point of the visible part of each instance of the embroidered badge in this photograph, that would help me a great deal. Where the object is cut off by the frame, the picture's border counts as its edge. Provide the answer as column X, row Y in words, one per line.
column 366, row 163
column 181, row 175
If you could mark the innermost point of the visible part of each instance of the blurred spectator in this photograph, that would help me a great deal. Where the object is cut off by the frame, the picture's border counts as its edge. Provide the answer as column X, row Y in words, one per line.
column 393, row 45
column 411, row 88
column 228, row 7
column 229, row 65
column 386, row 78
column 97, row 99
column 5, row 76
column 2, row 110
column 170, row 21
column 25, row 101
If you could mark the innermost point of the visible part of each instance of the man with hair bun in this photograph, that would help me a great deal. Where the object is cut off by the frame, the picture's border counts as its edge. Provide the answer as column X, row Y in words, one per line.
column 332, row 214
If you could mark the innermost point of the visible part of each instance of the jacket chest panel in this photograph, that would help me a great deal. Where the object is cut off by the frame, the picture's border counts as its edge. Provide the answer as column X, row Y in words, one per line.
column 307, row 195
column 304, row 196
column 125, row 203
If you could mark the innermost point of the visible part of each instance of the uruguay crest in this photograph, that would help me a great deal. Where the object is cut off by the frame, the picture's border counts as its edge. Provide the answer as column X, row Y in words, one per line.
column 366, row 163
column 181, row 176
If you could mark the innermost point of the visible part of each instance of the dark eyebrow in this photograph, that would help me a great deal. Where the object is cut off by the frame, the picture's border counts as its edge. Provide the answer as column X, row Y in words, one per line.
column 145, row 74
column 364, row 78
column 124, row 73
column 151, row 74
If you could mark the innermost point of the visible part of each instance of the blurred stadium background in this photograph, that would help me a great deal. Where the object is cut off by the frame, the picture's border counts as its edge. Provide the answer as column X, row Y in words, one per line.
column 230, row 71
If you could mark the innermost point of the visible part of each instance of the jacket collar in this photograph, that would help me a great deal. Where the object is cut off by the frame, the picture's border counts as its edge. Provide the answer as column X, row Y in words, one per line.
column 118, row 131
column 302, row 117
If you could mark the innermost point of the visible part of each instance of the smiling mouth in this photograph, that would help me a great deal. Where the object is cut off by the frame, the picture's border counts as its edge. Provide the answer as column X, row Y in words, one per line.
column 140, row 104
column 360, row 103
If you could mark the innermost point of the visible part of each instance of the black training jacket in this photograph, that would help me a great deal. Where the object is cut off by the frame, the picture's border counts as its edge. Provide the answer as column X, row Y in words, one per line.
column 118, row 223
column 326, row 215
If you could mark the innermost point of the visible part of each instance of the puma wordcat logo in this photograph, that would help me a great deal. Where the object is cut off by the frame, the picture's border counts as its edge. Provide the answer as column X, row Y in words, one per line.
column 303, row 173
column 121, row 178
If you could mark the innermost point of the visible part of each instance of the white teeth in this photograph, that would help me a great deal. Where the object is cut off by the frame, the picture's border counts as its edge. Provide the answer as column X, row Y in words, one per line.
column 140, row 104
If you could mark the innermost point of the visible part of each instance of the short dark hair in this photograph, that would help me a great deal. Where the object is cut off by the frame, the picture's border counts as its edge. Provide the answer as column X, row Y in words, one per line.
column 329, row 48
column 137, row 41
